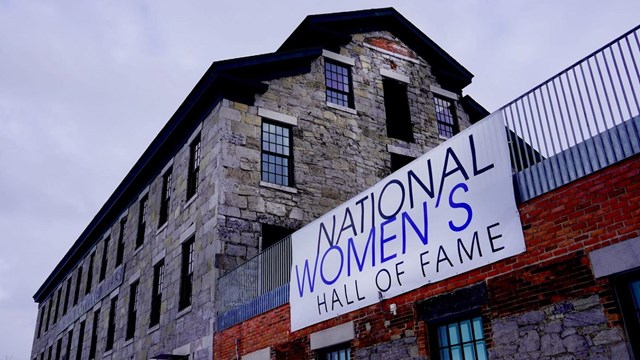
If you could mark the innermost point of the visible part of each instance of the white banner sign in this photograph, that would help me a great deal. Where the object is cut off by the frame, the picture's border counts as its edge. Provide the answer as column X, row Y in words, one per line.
column 450, row 211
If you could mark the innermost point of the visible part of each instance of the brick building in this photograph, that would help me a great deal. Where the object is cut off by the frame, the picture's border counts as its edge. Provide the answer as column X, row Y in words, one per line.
column 571, row 292
column 261, row 146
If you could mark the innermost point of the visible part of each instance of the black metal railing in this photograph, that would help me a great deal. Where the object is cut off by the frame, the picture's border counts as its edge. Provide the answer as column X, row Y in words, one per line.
column 265, row 272
column 579, row 121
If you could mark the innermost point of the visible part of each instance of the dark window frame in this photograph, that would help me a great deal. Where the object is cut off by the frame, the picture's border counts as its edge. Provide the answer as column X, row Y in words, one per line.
column 629, row 303
column 273, row 156
column 165, row 196
column 143, row 214
column 111, row 325
column 334, row 79
column 457, row 319
column 58, row 348
column 43, row 310
column 342, row 351
column 133, row 309
column 195, row 156
column 186, row 273
column 156, row 293
column 397, row 110
column 76, row 294
column 57, row 308
column 105, row 258
column 67, row 293
column 69, row 342
column 398, row 161
column 120, row 249
column 447, row 123
column 80, row 340
column 93, row 346
column 87, row 288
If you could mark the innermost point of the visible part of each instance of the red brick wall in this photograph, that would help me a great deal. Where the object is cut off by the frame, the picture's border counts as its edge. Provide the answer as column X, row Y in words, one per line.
column 560, row 229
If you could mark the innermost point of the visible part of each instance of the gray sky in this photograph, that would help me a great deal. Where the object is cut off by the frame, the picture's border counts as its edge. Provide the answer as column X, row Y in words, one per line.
column 86, row 85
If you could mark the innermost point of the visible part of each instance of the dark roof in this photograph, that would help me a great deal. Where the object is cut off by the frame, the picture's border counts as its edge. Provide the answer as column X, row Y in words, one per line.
column 241, row 79
column 330, row 31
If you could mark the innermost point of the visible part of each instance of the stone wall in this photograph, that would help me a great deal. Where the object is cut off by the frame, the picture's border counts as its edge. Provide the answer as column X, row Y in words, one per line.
column 575, row 329
column 337, row 153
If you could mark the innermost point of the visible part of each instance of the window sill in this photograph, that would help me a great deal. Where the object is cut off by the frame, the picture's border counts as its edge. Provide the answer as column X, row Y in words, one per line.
column 137, row 250
column 164, row 226
column 107, row 353
column 342, row 108
column 190, row 201
column 444, row 137
column 127, row 343
column 183, row 312
column 154, row 328
column 288, row 189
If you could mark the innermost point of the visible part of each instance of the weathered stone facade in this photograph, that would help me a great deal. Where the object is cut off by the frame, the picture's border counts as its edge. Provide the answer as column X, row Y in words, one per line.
column 575, row 329
column 337, row 152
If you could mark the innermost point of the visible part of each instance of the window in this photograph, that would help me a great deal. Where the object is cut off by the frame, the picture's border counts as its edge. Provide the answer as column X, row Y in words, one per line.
column 628, row 293
column 49, row 351
column 111, row 327
column 167, row 182
column 194, row 167
column 337, row 353
column 67, row 292
column 186, row 274
column 156, row 295
column 398, row 161
column 80, row 341
column 76, row 294
column 133, row 309
column 49, row 306
column 120, row 249
column 461, row 340
column 396, row 105
column 42, row 312
column 277, row 167
column 446, row 117
column 55, row 312
column 69, row 340
column 90, row 273
column 94, row 335
column 58, row 349
column 105, row 258
column 142, row 220
column 338, row 83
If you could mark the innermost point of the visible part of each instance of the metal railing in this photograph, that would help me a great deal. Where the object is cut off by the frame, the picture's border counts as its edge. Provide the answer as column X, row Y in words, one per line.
column 579, row 121
column 265, row 272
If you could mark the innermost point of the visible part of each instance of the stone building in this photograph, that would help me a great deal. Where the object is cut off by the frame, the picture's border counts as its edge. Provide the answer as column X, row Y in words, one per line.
column 260, row 147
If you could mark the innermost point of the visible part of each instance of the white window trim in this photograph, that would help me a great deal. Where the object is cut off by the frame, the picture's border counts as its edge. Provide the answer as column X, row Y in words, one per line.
column 391, row 53
column 395, row 75
column 276, row 116
column 342, row 108
column 135, row 277
column 166, row 167
column 442, row 92
column 262, row 354
column 337, row 57
column 186, row 235
column 332, row 336
column 114, row 293
column 143, row 193
column 157, row 258
column 288, row 189
column 195, row 133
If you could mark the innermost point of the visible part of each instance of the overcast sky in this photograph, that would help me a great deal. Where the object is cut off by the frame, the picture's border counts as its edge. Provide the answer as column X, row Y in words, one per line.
column 86, row 85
